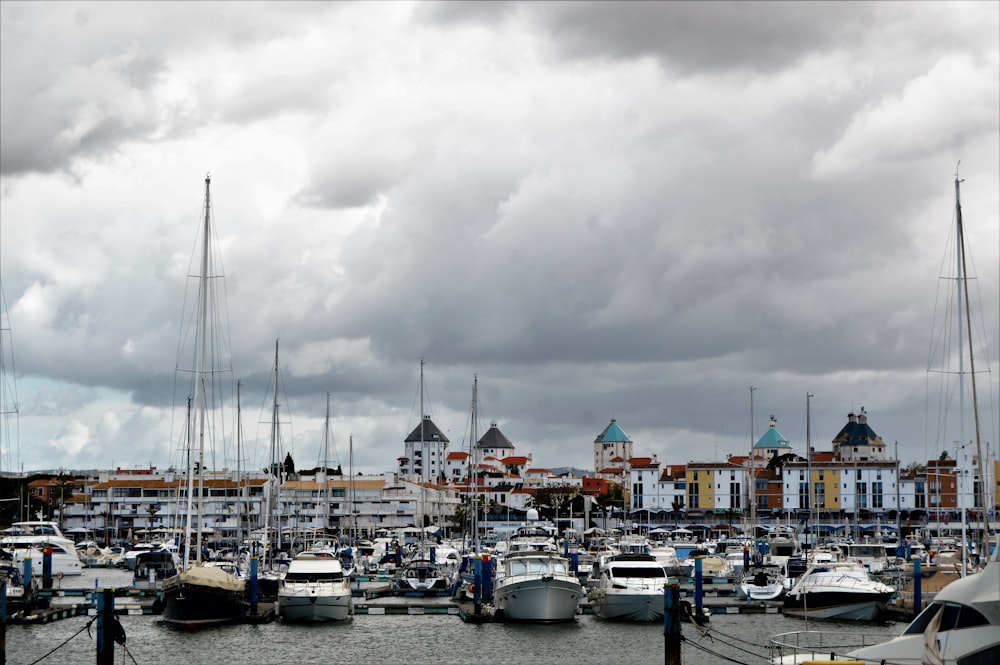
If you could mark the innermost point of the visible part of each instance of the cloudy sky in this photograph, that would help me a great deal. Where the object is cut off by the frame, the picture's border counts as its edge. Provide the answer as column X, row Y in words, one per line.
column 602, row 210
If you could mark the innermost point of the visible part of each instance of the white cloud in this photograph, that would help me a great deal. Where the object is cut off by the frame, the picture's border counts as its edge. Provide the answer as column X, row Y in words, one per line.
column 949, row 108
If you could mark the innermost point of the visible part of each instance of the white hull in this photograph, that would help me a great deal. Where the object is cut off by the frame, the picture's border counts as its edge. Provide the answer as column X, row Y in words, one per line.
column 538, row 599
column 769, row 592
column 62, row 564
column 867, row 610
column 315, row 602
column 629, row 605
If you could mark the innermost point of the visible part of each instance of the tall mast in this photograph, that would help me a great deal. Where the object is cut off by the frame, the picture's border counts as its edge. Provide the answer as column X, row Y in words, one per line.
column 753, row 475
column 424, row 458
column 350, row 465
column 279, row 466
column 473, row 443
column 200, row 397
column 326, row 480
column 239, row 471
column 189, row 486
column 809, row 485
column 963, row 292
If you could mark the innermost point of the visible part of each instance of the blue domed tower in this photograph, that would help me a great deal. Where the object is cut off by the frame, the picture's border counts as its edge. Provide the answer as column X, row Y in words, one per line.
column 611, row 443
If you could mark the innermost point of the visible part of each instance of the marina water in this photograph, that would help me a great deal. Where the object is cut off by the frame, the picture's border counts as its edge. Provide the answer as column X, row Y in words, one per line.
column 435, row 639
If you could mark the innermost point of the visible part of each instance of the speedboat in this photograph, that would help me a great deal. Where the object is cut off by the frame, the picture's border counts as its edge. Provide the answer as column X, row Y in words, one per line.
column 838, row 590
column 630, row 588
column 762, row 582
column 30, row 540
column 315, row 588
column 536, row 586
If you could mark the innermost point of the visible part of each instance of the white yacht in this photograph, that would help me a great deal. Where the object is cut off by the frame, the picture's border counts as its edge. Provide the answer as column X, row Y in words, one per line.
column 839, row 590
column 315, row 588
column 536, row 586
column 30, row 539
column 630, row 588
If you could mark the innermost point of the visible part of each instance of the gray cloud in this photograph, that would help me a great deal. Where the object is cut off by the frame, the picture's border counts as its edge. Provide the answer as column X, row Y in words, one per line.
column 631, row 210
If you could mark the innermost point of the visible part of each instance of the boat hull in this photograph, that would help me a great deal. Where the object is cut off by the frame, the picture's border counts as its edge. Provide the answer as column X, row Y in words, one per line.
column 314, row 604
column 767, row 592
column 203, row 597
column 541, row 600
column 837, row 605
column 629, row 606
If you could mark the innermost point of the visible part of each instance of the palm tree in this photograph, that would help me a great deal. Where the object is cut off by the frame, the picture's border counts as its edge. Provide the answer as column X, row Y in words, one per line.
column 677, row 505
column 152, row 509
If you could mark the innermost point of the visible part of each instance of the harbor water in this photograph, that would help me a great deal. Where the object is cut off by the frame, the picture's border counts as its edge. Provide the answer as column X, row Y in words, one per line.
column 429, row 638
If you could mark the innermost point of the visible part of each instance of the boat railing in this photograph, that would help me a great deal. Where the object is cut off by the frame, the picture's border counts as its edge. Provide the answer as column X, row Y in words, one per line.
column 813, row 581
column 794, row 646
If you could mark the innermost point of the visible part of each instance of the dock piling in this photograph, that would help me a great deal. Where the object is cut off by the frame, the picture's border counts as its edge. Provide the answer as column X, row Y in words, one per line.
column 671, row 624
column 105, row 623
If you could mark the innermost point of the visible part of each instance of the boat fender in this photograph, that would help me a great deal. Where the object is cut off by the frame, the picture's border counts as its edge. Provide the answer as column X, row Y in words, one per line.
column 472, row 587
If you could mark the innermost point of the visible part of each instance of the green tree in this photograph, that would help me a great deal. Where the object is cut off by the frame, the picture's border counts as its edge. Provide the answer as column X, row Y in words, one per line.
column 778, row 461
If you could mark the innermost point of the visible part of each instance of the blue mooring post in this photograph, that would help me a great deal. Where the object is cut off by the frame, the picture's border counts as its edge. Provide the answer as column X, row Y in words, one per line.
column 433, row 555
column 697, row 586
column 918, row 601
column 105, row 622
column 671, row 624
column 574, row 562
column 47, row 568
column 477, row 581
column 486, row 591
column 254, row 586
column 27, row 573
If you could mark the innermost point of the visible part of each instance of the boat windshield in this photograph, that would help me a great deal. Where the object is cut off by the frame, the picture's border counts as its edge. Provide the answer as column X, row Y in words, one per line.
column 637, row 571
column 955, row 616
column 312, row 577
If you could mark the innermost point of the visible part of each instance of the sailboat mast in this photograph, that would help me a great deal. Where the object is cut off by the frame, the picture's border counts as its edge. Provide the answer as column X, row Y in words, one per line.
column 425, row 458
column 326, row 466
column 809, row 485
column 189, row 486
column 473, row 442
column 201, row 381
column 963, row 287
column 277, row 464
column 239, row 471
column 752, row 482
column 350, row 465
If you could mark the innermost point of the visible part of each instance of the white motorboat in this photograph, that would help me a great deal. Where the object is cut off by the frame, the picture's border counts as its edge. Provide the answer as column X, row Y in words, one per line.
column 536, row 586
column 762, row 582
column 839, row 590
column 630, row 588
column 26, row 540
column 315, row 588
